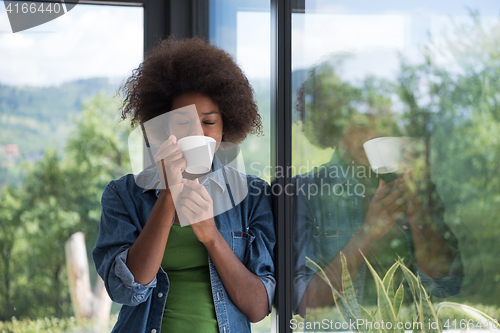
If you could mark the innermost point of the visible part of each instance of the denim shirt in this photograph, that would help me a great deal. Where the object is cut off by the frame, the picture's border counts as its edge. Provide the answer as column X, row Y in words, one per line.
column 245, row 222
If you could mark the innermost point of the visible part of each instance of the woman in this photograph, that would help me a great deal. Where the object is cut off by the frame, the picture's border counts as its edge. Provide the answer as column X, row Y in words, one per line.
column 217, row 274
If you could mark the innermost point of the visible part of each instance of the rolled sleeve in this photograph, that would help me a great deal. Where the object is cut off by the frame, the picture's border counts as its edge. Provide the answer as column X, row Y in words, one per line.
column 124, row 274
column 270, row 285
column 117, row 233
column 261, row 226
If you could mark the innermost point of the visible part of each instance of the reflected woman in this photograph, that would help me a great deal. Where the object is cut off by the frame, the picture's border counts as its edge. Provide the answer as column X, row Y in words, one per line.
column 217, row 273
column 357, row 211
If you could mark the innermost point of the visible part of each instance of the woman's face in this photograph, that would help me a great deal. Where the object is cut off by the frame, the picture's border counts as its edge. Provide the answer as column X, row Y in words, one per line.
column 207, row 122
column 353, row 140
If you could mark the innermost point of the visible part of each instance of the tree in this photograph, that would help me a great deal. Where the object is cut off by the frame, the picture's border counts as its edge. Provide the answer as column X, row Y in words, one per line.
column 10, row 213
column 61, row 196
column 455, row 104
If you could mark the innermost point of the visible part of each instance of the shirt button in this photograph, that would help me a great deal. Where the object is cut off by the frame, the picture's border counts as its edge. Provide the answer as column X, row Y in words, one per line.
column 153, row 331
column 160, row 295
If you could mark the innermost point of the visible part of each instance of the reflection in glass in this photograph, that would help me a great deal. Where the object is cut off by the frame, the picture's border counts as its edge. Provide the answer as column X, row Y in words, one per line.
column 243, row 29
column 423, row 191
column 348, row 207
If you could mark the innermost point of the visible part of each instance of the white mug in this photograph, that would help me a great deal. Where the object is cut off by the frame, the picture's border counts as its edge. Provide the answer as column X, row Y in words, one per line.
column 198, row 150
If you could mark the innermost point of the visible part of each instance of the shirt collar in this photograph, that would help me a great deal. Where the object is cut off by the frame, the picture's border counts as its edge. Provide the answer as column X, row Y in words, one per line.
column 216, row 175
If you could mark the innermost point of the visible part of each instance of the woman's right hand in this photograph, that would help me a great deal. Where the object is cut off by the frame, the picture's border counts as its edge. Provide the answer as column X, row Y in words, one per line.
column 385, row 209
column 171, row 164
column 145, row 255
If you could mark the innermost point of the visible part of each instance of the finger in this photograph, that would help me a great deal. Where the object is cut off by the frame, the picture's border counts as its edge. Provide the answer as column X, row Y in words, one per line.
column 204, row 193
column 194, row 185
column 190, row 203
column 164, row 145
column 399, row 182
column 170, row 159
column 397, row 214
column 196, row 197
column 179, row 164
column 195, row 213
column 391, row 197
column 201, row 190
column 400, row 210
column 381, row 190
column 172, row 171
column 168, row 150
column 166, row 153
column 396, row 204
column 187, row 212
column 168, row 145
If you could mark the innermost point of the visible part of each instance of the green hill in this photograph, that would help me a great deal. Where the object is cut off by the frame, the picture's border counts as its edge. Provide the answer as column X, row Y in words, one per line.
column 34, row 118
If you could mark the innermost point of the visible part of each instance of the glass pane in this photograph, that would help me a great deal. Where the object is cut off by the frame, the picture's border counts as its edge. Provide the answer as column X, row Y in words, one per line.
column 60, row 144
column 242, row 28
column 396, row 159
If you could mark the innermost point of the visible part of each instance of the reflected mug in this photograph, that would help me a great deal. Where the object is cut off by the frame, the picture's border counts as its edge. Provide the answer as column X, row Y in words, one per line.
column 385, row 154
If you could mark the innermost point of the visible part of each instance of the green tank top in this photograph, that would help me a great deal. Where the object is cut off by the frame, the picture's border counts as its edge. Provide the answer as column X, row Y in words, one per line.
column 190, row 305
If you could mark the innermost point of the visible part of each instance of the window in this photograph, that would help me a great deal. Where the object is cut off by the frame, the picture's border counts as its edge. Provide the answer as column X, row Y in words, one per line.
column 393, row 100
column 58, row 115
column 381, row 131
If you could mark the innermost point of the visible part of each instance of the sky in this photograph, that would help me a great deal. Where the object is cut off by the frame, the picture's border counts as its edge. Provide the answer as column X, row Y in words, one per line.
column 88, row 41
column 107, row 41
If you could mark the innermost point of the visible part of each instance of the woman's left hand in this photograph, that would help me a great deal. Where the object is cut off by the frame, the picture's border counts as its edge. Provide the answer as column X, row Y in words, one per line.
column 195, row 207
column 415, row 170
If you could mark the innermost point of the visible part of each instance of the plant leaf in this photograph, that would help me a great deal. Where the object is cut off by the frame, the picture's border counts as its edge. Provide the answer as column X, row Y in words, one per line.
column 387, row 281
column 424, row 305
column 398, row 300
column 386, row 310
column 367, row 316
column 340, row 302
column 348, row 289
column 471, row 312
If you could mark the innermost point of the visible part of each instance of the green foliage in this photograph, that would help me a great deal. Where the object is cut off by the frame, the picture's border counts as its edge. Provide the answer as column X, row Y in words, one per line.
column 36, row 117
column 476, row 315
column 456, row 104
column 10, row 219
column 329, row 106
column 60, row 196
column 422, row 315
column 55, row 325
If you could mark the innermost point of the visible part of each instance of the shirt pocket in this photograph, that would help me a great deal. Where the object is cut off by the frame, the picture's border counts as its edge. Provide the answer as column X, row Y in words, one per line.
column 326, row 248
column 241, row 243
